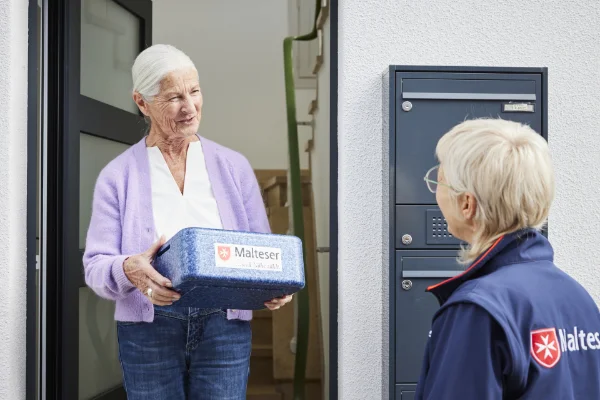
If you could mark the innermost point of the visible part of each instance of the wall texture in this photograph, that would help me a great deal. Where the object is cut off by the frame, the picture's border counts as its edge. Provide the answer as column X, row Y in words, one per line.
column 564, row 36
column 13, row 192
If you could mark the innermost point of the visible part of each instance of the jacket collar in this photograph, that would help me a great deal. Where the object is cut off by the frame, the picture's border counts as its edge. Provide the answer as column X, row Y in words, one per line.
column 518, row 247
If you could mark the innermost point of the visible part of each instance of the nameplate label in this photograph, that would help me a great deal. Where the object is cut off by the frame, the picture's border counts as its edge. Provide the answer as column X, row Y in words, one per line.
column 248, row 257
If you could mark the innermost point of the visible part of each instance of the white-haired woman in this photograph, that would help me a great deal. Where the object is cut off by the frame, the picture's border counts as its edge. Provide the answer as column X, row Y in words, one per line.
column 512, row 325
column 170, row 180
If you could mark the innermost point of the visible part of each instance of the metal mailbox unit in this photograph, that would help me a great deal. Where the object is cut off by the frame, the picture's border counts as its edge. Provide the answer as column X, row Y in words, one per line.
column 420, row 104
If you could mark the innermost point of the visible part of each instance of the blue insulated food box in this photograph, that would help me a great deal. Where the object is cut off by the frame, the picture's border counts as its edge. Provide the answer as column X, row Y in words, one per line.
column 213, row 268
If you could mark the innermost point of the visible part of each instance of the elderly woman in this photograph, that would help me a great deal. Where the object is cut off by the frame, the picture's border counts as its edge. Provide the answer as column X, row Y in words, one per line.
column 170, row 180
column 512, row 325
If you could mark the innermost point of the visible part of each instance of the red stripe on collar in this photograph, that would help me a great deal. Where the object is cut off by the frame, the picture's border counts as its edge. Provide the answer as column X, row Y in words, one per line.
column 470, row 268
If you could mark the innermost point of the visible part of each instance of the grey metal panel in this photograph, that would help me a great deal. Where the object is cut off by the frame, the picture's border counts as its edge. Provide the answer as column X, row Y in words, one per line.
column 475, row 87
column 414, row 310
column 389, row 82
column 468, row 96
column 430, row 259
column 437, row 228
column 433, row 265
column 404, row 390
column 441, row 70
column 416, row 221
column 418, row 130
column 415, row 307
column 429, row 274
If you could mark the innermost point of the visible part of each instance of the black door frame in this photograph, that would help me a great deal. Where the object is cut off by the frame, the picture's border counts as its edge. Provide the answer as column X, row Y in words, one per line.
column 59, row 323
column 66, row 114
column 333, row 200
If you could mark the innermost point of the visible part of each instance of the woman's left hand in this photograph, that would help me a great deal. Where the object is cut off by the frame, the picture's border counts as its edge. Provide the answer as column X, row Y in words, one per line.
column 278, row 302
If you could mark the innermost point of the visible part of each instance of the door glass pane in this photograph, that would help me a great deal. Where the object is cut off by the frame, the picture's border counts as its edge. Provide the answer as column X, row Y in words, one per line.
column 99, row 367
column 110, row 41
column 95, row 153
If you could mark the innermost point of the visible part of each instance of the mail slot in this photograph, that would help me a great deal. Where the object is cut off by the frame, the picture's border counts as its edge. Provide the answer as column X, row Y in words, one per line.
column 420, row 105
column 430, row 267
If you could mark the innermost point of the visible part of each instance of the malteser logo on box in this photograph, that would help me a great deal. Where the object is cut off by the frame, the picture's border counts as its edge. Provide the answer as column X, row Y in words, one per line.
column 224, row 252
column 248, row 257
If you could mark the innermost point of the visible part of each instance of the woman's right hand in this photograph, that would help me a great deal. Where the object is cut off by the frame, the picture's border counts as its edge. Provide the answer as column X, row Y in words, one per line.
column 142, row 274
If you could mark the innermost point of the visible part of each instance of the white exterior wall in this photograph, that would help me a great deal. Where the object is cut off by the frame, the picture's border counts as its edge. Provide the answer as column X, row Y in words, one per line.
column 564, row 36
column 13, row 192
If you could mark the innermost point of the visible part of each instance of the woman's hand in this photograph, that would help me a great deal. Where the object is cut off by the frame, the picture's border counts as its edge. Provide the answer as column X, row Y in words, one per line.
column 142, row 274
column 278, row 302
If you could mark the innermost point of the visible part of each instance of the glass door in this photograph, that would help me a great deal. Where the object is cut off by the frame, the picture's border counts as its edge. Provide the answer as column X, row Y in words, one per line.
column 96, row 121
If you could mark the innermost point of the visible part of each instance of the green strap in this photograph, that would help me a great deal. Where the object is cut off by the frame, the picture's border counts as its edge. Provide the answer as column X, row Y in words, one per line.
column 297, row 213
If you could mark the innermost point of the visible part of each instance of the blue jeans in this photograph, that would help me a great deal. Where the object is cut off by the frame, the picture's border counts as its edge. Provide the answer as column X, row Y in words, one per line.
column 186, row 353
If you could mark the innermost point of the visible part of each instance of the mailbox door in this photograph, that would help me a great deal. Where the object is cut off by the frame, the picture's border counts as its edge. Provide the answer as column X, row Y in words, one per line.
column 415, row 272
column 435, row 102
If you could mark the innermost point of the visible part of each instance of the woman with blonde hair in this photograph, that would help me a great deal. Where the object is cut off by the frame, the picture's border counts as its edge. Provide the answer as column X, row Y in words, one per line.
column 512, row 325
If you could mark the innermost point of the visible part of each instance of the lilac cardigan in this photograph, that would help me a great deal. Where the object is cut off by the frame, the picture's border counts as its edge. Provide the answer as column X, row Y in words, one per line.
column 122, row 222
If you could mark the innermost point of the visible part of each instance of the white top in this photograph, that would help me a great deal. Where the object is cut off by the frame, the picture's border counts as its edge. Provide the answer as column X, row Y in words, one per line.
column 172, row 210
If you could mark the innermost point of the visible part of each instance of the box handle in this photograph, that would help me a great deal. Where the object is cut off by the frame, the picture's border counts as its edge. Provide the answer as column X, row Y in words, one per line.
column 163, row 250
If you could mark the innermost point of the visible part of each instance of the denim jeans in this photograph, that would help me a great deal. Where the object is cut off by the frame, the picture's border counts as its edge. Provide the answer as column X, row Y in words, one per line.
column 185, row 353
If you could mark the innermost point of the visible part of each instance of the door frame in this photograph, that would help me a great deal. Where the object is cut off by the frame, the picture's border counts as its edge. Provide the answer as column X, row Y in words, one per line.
column 58, row 324
column 333, row 200
column 66, row 113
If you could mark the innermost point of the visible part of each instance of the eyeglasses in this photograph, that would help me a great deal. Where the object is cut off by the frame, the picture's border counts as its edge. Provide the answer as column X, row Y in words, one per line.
column 431, row 178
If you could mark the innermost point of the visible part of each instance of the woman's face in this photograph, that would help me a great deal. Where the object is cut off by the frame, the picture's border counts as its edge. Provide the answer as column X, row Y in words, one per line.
column 176, row 110
column 460, row 216
column 442, row 196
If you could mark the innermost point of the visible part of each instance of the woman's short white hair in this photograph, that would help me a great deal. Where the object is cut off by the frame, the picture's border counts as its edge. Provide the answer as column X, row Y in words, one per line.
column 153, row 64
column 507, row 167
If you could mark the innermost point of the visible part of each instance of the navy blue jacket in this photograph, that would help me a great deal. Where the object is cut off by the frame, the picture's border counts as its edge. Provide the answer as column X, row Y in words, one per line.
column 513, row 326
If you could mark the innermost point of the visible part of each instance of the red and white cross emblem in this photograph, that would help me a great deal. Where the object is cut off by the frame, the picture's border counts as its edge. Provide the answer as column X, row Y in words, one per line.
column 545, row 347
column 224, row 252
